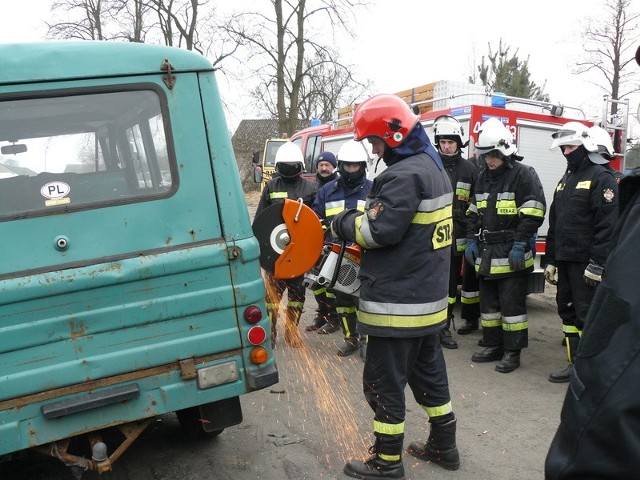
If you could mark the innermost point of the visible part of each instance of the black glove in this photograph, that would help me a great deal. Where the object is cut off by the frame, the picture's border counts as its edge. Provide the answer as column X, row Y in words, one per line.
column 343, row 225
column 593, row 274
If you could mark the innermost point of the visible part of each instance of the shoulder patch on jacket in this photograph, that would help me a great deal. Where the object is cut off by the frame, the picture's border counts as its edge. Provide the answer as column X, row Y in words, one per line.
column 375, row 211
column 608, row 195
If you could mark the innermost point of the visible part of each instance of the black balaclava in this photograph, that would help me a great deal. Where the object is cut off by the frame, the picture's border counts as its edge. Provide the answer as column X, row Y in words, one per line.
column 353, row 179
column 575, row 158
column 289, row 171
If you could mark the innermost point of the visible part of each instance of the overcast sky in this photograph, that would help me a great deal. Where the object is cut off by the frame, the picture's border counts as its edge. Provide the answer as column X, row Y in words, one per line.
column 400, row 44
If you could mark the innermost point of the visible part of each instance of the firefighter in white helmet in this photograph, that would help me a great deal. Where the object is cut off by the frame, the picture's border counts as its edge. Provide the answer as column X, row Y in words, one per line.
column 348, row 191
column 582, row 218
column 287, row 182
column 448, row 134
column 507, row 208
column 602, row 139
column 406, row 236
column 599, row 433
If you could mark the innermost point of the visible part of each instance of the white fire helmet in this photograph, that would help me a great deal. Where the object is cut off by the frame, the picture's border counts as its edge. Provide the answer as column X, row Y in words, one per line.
column 604, row 143
column 354, row 152
column 448, row 127
column 289, row 153
column 573, row 133
column 494, row 135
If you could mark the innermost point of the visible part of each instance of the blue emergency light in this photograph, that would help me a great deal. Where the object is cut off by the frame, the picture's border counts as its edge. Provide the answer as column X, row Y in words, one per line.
column 498, row 100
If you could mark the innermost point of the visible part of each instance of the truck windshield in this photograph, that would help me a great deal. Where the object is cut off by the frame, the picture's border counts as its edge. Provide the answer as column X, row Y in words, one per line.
column 82, row 150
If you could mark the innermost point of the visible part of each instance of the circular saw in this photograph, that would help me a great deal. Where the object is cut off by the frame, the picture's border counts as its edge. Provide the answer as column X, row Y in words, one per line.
column 291, row 238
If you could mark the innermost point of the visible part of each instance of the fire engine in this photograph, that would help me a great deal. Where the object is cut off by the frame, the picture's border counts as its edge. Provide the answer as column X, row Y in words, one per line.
column 531, row 122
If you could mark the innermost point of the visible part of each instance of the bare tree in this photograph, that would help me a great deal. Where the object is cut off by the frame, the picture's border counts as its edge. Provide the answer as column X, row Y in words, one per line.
column 290, row 61
column 87, row 19
column 609, row 46
column 189, row 24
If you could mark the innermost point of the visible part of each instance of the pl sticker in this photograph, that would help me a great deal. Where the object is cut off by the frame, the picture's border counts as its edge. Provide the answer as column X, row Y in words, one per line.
column 55, row 193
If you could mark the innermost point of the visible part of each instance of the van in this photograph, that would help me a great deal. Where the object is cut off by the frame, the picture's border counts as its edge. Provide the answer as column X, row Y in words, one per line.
column 130, row 276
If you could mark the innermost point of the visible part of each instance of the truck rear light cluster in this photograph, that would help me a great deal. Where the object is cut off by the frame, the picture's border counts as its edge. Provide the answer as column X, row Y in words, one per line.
column 256, row 336
column 252, row 314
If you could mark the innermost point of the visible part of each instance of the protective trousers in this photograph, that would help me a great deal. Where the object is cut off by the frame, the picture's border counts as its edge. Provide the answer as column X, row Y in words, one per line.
column 295, row 303
column 347, row 310
column 503, row 312
column 326, row 302
column 573, row 296
column 391, row 364
column 461, row 273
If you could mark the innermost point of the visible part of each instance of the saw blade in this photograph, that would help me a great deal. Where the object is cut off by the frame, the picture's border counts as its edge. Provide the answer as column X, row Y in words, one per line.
column 272, row 234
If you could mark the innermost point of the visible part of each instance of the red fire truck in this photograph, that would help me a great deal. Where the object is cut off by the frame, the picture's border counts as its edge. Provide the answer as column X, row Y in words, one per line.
column 531, row 122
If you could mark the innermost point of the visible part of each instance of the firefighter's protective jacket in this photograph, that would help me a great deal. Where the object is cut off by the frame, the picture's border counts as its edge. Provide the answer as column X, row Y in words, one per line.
column 463, row 175
column 278, row 189
column 599, row 432
column 583, row 215
column 406, row 236
column 508, row 206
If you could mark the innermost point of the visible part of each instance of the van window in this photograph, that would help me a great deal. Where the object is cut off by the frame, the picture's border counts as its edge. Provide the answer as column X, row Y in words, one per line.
column 71, row 152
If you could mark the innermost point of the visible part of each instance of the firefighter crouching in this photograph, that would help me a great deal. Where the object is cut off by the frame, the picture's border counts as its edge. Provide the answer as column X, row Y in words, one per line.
column 507, row 209
column 286, row 183
column 405, row 235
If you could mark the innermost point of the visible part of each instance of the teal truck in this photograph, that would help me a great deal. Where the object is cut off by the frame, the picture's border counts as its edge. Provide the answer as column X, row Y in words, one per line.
column 130, row 283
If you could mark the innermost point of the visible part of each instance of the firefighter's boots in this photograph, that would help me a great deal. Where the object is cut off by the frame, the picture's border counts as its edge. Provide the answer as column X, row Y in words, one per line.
column 468, row 326
column 564, row 375
column 446, row 340
column 441, row 446
column 380, row 465
column 509, row 362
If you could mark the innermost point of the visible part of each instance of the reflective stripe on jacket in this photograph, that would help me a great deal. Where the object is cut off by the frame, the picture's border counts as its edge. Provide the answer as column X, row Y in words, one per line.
column 583, row 215
column 508, row 201
column 406, row 234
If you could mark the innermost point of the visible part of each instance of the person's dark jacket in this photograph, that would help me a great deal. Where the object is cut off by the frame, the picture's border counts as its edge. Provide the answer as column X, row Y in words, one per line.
column 599, row 432
column 583, row 215
column 508, row 206
column 406, row 236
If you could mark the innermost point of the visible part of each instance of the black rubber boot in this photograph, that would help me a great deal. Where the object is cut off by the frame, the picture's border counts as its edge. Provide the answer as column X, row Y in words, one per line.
column 510, row 361
column 377, row 466
column 332, row 325
column 446, row 340
column 562, row 376
column 468, row 326
column 317, row 322
column 440, row 447
column 489, row 354
column 374, row 468
column 350, row 346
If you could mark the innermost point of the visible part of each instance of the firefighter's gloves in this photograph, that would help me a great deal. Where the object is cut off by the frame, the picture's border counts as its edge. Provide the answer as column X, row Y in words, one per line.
column 343, row 225
column 471, row 251
column 550, row 274
column 593, row 274
column 516, row 256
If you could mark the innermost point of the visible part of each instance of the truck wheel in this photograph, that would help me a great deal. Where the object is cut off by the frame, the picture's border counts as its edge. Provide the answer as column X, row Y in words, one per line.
column 191, row 424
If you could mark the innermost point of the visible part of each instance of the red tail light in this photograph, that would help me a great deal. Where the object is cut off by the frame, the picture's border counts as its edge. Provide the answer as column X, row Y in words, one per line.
column 252, row 314
column 256, row 335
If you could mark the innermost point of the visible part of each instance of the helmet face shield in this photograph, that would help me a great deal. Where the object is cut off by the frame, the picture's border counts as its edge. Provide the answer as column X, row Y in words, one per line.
column 573, row 133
